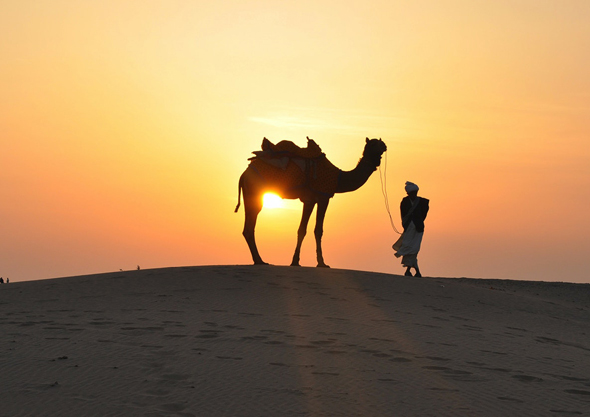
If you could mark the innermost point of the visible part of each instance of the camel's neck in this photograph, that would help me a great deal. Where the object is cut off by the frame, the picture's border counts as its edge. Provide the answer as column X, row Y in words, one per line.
column 355, row 179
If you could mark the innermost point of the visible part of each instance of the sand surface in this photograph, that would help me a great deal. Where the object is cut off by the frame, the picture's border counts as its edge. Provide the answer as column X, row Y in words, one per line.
column 282, row 341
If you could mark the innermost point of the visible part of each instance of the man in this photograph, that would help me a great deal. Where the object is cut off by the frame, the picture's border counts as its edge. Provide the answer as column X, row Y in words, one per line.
column 413, row 211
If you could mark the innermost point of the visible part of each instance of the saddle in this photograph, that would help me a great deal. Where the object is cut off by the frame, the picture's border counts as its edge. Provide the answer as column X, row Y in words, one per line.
column 287, row 149
column 288, row 167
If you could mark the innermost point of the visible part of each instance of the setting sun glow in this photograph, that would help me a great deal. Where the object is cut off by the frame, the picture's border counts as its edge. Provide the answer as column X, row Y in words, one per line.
column 125, row 127
column 272, row 201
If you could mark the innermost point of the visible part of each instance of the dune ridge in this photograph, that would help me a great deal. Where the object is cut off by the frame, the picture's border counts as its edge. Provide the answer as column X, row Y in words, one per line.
column 283, row 341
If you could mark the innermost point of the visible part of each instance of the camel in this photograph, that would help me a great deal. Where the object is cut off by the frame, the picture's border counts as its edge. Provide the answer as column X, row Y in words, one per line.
column 305, row 185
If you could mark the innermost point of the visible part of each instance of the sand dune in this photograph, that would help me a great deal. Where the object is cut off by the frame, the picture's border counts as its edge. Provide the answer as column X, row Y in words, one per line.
column 281, row 341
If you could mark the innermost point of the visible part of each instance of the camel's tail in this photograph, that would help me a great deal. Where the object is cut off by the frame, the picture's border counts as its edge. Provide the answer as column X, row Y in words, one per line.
column 239, row 195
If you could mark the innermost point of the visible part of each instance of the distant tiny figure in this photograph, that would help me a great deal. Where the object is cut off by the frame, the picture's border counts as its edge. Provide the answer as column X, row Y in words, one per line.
column 413, row 211
column 1, row 280
column 7, row 280
column 138, row 268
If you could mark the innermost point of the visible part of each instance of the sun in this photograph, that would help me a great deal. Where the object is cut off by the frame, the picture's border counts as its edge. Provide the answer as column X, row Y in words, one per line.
column 272, row 201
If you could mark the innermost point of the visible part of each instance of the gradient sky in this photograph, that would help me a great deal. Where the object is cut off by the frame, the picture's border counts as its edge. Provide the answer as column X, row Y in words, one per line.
column 125, row 125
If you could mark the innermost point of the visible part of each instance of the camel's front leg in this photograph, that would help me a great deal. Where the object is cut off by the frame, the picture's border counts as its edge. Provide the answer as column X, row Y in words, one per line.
column 319, row 231
column 301, row 232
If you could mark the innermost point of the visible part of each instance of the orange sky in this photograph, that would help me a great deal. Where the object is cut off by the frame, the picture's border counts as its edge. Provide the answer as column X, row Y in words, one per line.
column 125, row 125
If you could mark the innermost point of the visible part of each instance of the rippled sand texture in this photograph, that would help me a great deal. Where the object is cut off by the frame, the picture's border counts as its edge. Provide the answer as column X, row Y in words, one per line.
column 282, row 341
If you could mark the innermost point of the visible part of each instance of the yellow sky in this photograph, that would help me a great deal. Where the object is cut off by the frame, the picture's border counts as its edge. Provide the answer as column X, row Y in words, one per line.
column 125, row 125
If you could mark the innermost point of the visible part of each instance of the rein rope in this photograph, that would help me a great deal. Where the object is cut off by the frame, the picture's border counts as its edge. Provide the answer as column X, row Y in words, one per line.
column 383, row 178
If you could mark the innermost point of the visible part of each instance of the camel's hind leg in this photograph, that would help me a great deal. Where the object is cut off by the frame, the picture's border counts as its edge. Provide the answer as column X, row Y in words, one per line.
column 319, row 231
column 252, row 207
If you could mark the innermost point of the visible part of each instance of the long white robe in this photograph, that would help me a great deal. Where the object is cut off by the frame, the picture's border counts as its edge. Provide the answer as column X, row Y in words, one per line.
column 411, row 242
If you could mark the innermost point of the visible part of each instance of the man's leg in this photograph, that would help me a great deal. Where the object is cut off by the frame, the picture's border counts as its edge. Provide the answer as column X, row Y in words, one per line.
column 418, row 274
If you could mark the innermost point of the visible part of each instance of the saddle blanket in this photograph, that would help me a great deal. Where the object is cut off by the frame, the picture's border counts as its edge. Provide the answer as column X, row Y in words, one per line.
column 319, row 176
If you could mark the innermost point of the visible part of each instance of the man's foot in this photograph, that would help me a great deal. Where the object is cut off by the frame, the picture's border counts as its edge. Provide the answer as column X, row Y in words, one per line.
column 418, row 274
column 408, row 274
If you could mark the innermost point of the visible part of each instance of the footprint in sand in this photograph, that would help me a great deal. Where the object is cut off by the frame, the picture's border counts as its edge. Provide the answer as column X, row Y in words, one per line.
column 449, row 371
column 495, row 353
column 381, row 340
column 444, row 389
column 514, row 400
column 254, row 337
column 173, row 407
column 157, row 392
column 527, row 378
column 208, row 334
column 437, row 309
column 461, row 318
column 577, row 392
column 548, row 340
column 517, row 328
column 435, row 358
column 175, row 377
column 436, row 368
column 387, row 380
column 570, row 378
column 323, row 342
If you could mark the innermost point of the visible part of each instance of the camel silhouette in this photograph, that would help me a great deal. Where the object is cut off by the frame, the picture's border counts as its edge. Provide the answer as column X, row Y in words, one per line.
column 313, row 180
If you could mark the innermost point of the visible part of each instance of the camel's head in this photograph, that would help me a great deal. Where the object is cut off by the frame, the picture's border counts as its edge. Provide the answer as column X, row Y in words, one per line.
column 374, row 148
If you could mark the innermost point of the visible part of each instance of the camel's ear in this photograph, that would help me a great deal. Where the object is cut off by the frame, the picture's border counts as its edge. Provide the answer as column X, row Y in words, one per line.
column 367, row 141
